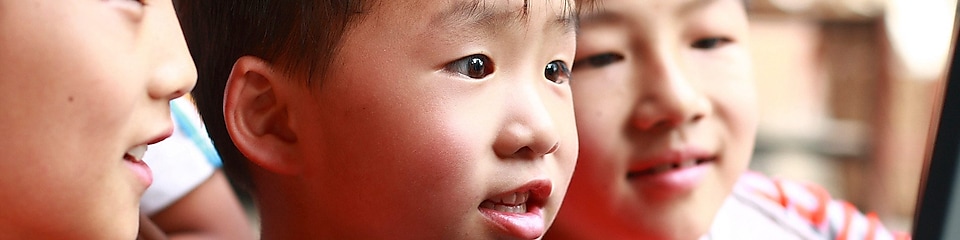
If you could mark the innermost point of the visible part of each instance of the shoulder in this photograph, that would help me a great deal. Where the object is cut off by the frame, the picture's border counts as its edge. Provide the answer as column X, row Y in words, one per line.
column 809, row 206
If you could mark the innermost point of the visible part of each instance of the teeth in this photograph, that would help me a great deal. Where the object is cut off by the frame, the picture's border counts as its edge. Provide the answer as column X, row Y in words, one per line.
column 510, row 199
column 688, row 163
column 511, row 203
column 521, row 208
column 137, row 153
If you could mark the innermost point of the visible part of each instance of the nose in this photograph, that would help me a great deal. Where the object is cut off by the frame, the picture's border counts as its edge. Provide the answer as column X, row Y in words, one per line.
column 668, row 96
column 175, row 73
column 529, row 131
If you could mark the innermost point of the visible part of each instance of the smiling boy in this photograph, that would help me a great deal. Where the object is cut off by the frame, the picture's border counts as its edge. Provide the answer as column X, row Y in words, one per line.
column 391, row 119
column 667, row 114
column 86, row 86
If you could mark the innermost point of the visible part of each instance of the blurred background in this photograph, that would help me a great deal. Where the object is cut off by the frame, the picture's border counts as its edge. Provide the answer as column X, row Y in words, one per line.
column 847, row 90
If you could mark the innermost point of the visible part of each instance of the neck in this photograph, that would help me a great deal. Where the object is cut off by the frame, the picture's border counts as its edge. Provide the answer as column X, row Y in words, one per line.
column 286, row 213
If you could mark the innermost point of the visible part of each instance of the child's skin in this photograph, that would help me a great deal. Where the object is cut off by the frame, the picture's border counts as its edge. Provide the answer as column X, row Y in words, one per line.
column 407, row 136
column 658, row 83
column 85, row 87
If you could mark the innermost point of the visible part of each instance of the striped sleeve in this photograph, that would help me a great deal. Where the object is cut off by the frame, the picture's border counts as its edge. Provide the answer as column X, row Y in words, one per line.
column 812, row 206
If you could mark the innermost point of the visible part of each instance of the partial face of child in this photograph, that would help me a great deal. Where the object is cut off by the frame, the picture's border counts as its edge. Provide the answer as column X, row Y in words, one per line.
column 666, row 111
column 444, row 120
column 85, row 87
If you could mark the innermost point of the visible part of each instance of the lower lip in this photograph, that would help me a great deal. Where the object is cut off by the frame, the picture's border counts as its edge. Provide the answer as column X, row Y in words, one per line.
column 527, row 225
column 673, row 182
column 142, row 171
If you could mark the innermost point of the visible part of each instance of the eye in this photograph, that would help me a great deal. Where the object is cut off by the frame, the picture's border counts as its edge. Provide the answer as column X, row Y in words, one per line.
column 709, row 43
column 475, row 66
column 557, row 72
column 598, row 61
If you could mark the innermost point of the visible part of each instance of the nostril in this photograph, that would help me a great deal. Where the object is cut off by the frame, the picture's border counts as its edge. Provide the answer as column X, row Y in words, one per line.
column 553, row 149
column 697, row 117
column 525, row 153
column 177, row 94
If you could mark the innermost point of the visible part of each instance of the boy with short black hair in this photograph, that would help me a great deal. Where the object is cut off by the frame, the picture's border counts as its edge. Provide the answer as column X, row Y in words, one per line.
column 667, row 116
column 391, row 119
column 85, row 88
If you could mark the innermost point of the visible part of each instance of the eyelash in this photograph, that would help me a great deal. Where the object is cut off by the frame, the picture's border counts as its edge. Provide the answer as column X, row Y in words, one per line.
column 557, row 72
column 710, row 43
column 598, row 60
column 475, row 66
column 479, row 66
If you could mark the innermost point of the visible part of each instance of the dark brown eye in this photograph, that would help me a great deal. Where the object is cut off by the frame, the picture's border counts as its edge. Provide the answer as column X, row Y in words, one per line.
column 475, row 66
column 709, row 43
column 557, row 72
column 598, row 61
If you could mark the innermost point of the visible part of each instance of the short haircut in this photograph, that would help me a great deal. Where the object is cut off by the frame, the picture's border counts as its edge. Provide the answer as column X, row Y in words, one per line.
column 300, row 37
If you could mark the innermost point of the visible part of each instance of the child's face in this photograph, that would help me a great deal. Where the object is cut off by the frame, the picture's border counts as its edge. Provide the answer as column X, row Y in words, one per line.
column 665, row 107
column 443, row 119
column 85, row 86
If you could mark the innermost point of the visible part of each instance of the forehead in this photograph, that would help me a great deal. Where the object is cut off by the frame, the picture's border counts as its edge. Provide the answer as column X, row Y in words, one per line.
column 499, row 13
column 486, row 14
column 644, row 8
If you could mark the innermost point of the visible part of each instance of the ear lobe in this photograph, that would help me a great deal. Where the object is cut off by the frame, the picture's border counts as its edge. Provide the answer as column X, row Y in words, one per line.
column 257, row 119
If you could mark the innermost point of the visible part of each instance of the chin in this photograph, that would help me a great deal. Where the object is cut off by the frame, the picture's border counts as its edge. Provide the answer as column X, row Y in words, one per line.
column 689, row 227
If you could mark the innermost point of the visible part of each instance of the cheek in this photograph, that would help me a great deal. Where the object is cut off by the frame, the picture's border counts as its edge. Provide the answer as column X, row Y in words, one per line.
column 417, row 150
column 735, row 103
column 601, row 112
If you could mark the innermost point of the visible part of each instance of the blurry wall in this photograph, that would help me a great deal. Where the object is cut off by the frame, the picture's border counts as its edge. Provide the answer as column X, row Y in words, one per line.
column 846, row 91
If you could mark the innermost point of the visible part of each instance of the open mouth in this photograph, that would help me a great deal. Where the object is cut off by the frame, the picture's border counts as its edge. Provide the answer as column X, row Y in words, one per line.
column 519, row 212
column 508, row 203
column 135, row 154
column 133, row 159
column 666, row 167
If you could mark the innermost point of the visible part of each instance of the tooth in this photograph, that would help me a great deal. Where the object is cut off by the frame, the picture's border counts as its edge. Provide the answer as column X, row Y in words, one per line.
column 522, row 199
column 137, row 152
column 688, row 163
column 487, row 205
column 510, row 199
column 522, row 208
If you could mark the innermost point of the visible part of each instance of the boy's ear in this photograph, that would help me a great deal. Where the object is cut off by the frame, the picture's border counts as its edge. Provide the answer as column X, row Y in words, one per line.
column 257, row 118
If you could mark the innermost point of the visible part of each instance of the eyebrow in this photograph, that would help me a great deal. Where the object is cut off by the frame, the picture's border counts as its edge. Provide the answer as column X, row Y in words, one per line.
column 479, row 14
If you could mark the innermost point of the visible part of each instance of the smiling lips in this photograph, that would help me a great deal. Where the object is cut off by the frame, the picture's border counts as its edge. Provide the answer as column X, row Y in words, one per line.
column 664, row 167
column 671, row 160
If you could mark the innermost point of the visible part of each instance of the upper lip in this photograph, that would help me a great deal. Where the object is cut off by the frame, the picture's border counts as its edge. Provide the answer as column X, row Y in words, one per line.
column 670, row 156
column 167, row 132
column 136, row 152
